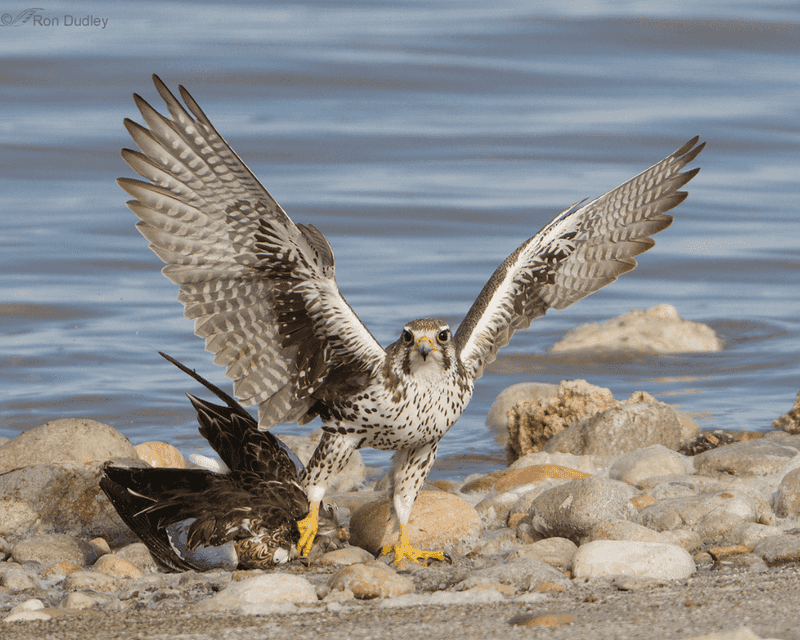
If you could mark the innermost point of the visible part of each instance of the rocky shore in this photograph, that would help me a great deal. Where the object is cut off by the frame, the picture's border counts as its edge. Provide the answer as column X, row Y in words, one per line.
column 614, row 519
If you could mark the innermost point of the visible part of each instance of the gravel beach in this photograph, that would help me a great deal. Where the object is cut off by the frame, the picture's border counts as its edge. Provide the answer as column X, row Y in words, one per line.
column 713, row 601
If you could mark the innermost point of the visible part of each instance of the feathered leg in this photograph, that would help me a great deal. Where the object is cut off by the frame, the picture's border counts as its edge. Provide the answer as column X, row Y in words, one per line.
column 330, row 457
column 410, row 468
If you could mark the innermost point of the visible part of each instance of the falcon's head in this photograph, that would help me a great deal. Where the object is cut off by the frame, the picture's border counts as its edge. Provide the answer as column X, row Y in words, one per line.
column 426, row 348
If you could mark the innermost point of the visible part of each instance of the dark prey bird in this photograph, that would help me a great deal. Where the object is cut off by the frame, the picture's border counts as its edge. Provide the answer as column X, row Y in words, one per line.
column 262, row 292
column 198, row 519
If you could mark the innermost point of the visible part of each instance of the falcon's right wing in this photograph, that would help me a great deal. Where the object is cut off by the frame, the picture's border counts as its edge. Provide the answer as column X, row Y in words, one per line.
column 582, row 250
column 261, row 290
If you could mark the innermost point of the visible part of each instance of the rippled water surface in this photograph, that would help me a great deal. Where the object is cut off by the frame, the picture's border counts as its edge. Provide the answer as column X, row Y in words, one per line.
column 427, row 140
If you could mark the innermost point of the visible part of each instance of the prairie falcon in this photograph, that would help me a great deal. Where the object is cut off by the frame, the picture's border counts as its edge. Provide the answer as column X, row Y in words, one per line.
column 262, row 293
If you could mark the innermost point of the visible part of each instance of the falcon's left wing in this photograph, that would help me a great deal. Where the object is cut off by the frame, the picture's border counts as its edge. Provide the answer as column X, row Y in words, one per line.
column 582, row 250
column 260, row 288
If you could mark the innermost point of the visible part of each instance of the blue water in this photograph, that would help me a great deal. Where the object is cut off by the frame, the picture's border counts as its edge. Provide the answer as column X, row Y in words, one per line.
column 427, row 140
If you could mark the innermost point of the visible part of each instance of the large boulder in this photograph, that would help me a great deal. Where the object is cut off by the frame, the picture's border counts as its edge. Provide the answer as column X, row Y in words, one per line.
column 655, row 331
column 639, row 422
column 58, row 498
column 49, row 481
column 532, row 422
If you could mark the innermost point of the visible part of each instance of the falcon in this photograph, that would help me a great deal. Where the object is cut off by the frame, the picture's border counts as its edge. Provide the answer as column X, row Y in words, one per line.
column 262, row 292
column 197, row 519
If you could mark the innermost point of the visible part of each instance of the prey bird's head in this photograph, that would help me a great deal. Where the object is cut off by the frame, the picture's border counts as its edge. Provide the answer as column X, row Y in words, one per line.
column 426, row 348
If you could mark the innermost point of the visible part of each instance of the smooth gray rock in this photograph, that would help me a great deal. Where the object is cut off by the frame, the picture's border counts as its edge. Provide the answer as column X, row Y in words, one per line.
column 58, row 498
column 370, row 580
column 572, row 509
column 268, row 588
column 752, row 458
column 625, row 530
column 52, row 548
column 777, row 550
column 676, row 513
column 679, row 485
column 620, row 429
column 646, row 559
column 15, row 578
column 637, row 465
column 524, row 574
column 68, row 441
column 557, row 552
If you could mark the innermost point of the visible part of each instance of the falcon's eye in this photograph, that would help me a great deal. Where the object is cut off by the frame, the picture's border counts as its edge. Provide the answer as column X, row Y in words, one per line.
column 407, row 337
column 443, row 336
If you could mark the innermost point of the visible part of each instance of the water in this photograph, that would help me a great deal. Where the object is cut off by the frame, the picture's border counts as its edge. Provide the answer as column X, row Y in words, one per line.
column 427, row 140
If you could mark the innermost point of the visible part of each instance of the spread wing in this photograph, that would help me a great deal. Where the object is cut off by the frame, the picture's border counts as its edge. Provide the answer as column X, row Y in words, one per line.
column 260, row 289
column 582, row 250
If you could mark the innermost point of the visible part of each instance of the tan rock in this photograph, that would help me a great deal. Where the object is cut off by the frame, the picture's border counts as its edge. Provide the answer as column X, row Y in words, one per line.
column 504, row 589
column 160, row 454
column 483, row 483
column 444, row 485
column 373, row 580
column 346, row 556
column 90, row 581
column 437, row 520
column 100, row 546
column 640, row 502
column 78, row 601
column 532, row 423
column 557, row 552
column 730, row 551
column 541, row 620
column 59, row 570
column 537, row 473
column 656, row 331
column 113, row 565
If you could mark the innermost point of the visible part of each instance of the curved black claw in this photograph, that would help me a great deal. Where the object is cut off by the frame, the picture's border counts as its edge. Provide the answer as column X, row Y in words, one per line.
column 446, row 557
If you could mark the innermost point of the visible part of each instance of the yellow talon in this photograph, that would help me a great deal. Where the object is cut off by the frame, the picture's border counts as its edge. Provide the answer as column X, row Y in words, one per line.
column 403, row 549
column 308, row 529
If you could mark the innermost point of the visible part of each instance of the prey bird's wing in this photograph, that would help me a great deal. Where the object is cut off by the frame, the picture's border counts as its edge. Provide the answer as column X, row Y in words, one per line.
column 260, row 289
column 582, row 250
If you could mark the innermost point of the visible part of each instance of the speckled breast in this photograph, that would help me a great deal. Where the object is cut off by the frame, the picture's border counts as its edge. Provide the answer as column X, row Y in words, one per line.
column 411, row 413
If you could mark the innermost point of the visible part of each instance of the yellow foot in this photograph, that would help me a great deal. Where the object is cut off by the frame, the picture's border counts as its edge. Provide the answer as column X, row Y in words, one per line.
column 308, row 529
column 403, row 549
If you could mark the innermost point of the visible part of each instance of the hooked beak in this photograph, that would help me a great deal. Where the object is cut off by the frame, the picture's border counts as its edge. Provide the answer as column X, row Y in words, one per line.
column 425, row 346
